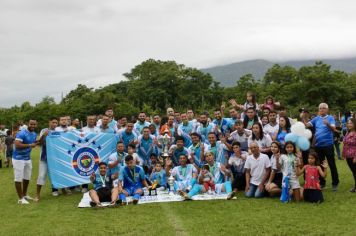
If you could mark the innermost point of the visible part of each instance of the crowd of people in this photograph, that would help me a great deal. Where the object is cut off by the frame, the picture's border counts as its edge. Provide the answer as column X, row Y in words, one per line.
column 245, row 151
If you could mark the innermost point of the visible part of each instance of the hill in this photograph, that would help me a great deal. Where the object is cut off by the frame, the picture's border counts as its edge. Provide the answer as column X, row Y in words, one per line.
column 227, row 75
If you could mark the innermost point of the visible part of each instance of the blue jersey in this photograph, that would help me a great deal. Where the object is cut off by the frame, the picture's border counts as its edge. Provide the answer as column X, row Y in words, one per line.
column 177, row 153
column 205, row 130
column 145, row 148
column 138, row 127
column 323, row 135
column 132, row 178
column 215, row 170
column 160, row 177
column 107, row 130
column 185, row 131
column 113, row 158
column 181, row 173
column 25, row 137
column 127, row 138
column 196, row 151
column 102, row 181
column 224, row 125
column 219, row 151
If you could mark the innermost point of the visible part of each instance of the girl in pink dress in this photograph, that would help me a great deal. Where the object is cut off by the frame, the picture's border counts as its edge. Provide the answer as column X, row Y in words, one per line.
column 312, row 191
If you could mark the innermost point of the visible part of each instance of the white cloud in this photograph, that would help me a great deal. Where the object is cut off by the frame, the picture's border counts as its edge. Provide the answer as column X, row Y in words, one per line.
column 47, row 46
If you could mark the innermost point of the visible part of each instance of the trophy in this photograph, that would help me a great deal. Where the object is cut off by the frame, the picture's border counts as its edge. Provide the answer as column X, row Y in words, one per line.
column 165, row 141
column 171, row 185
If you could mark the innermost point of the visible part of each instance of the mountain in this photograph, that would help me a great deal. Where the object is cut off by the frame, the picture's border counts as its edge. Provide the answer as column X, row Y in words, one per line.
column 229, row 74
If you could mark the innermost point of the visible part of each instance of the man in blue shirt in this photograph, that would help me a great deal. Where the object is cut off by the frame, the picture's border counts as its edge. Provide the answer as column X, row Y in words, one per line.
column 147, row 144
column 141, row 123
column 131, row 181
column 324, row 125
column 185, row 129
column 127, row 136
column 178, row 149
column 21, row 160
column 223, row 125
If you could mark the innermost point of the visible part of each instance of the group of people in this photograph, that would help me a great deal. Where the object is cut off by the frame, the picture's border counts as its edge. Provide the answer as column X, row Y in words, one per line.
column 246, row 152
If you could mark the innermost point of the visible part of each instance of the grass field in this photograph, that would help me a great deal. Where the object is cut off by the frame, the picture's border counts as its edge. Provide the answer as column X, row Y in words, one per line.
column 60, row 215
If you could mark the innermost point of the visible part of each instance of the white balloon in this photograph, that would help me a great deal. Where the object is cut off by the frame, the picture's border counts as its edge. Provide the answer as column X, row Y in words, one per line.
column 307, row 133
column 298, row 128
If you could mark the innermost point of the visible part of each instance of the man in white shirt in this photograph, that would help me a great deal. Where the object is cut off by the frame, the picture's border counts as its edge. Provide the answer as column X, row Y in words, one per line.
column 91, row 127
column 272, row 127
column 258, row 168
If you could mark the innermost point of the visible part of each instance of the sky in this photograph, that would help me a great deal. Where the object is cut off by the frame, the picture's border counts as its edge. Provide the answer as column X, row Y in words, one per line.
column 47, row 47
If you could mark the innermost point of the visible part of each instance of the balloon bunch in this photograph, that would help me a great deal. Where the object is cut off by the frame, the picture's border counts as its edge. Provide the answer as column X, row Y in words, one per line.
column 300, row 136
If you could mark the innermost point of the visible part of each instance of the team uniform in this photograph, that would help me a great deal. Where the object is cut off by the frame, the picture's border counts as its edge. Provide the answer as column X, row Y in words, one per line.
column 205, row 130
column 138, row 127
column 185, row 131
column 112, row 124
column 183, row 177
column 160, row 177
column 176, row 153
column 224, row 125
column 21, row 159
column 113, row 158
column 271, row 130
column 220, row 152
column 145, row 148
column 43, row 168
column 132, row 180
column 127, row 138
column 196, row 150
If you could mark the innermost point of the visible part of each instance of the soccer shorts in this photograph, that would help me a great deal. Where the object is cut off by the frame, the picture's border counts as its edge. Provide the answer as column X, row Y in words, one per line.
column 22, row 169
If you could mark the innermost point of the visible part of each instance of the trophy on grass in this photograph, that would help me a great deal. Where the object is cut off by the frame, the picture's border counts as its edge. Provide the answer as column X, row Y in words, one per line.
column 171, row 184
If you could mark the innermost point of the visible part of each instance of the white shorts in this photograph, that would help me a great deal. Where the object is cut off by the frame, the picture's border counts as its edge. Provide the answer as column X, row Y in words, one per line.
column 42, row 173
column 218, row 188
column 294, row 183
column 22, row 169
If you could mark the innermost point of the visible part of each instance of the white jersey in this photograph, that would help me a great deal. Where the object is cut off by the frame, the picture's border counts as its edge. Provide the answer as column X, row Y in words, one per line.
column 88, row 129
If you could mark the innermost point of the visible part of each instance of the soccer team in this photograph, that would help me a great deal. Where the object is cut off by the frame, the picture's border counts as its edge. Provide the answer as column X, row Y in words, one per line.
column 243, row 152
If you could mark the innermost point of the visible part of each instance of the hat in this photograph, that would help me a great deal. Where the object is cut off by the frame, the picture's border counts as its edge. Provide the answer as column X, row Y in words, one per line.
column 303, row 110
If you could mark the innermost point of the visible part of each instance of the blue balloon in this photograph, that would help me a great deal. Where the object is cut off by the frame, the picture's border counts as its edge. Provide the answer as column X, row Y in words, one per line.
column 291, row 138
column 303, row 143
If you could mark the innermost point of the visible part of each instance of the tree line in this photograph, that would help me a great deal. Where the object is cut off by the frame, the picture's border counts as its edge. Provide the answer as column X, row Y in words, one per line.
column 154, row 85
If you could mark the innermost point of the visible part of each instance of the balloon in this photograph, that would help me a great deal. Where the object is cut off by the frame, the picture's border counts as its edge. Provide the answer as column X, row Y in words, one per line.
column 303, row 143
column 291, row 137
column 298, row 128
column 307, row 133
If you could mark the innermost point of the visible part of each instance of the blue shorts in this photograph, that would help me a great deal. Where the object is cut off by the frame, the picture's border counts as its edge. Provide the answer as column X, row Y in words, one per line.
column 132, row 190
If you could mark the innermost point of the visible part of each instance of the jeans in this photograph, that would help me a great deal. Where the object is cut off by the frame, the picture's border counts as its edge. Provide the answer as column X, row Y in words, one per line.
column 254, row 192
column 328, row 153
column 337, row 148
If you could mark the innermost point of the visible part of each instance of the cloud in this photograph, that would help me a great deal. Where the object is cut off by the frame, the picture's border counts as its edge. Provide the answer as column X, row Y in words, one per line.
column 48, row 47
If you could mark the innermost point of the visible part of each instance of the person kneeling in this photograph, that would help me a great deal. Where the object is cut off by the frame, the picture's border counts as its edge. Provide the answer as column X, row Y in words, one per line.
column 103, row 187
column 131, row 180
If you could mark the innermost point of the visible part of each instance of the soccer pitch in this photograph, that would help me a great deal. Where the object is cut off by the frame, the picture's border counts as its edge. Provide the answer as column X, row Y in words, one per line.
column 60, row 215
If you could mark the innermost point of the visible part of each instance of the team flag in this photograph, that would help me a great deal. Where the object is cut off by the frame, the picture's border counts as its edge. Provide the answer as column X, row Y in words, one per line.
column 73, row 156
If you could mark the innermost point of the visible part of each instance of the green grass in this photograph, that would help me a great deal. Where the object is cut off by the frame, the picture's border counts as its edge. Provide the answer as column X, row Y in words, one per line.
column 60, row 216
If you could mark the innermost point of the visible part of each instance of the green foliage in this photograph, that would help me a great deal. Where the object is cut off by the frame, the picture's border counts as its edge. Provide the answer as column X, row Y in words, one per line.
column 154, row 85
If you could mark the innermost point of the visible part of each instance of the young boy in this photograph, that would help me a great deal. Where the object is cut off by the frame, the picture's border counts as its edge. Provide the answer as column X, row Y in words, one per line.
column 207, row 179
column 158, row 176
column 237, row 164
column 131, row 181
column 103, row 191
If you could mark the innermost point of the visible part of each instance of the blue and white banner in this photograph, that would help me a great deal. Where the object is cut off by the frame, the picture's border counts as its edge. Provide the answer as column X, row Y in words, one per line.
column 73, row 156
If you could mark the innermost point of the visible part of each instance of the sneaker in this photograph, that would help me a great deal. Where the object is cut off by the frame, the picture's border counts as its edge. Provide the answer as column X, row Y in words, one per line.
column 23, row 201
column 231, row 195
column 135, row 201
column 84, row 190
column 28, row 198
column 353, row 190
column 334, row 188
column 183, row 194
column 55, row 194
column 92, row 204
column 67, row 191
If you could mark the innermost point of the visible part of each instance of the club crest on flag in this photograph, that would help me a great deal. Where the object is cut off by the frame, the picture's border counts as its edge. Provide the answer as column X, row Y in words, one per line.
column 85, row 161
